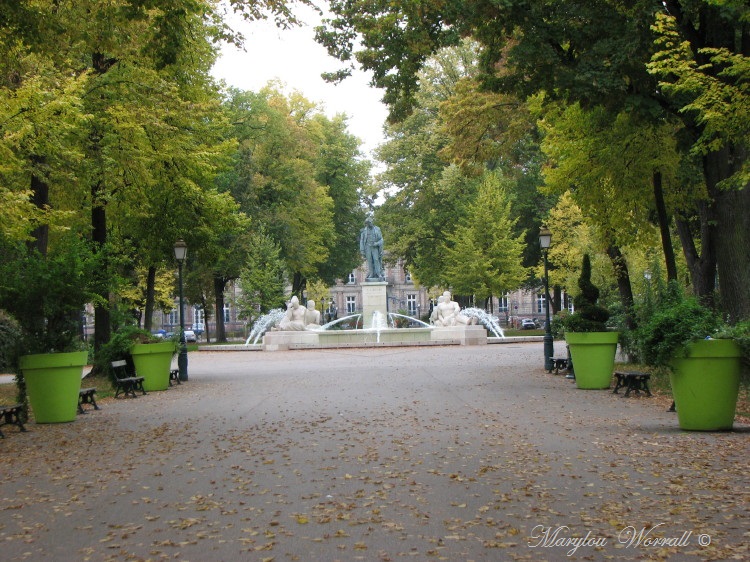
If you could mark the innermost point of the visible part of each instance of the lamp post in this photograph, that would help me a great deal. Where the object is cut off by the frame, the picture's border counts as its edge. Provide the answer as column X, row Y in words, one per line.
column 545, row 239
column 180, row 253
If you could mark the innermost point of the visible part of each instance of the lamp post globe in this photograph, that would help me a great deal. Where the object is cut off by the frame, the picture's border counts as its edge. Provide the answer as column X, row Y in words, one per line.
column 545, row 240
column 180, row 254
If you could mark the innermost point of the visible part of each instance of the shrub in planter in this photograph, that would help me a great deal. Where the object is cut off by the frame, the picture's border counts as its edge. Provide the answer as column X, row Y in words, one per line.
column 704, row 369
column 592, row 347
column 10, row 344
column 47, row 294
column 137, row 347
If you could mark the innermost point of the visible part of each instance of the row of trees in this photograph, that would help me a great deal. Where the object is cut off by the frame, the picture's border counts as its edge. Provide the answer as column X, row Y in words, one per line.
column 116, row 141
column 631, row 119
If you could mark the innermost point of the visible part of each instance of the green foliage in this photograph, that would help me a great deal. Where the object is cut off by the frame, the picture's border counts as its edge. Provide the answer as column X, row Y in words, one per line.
column 47, row 294
column 589, row 316
column 677, row 321
column 10, row 342
column 740, row 333
column 712, row 86
column 118, row 348
column 276, row 173
column 262, row 279
column 483, row 254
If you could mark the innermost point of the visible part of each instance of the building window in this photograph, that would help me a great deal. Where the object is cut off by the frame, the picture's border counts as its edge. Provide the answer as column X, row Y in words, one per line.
column 198, row 315
column 502, row 304
column 351, row 304
column 227, row 315
column 352, row 278
column 407, row 276
column 569, row 304
column 411, row 304
column 174, row 317
column 540, row 300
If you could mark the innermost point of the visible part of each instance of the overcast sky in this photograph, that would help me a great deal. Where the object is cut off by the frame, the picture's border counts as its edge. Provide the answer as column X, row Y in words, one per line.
column 294, row 57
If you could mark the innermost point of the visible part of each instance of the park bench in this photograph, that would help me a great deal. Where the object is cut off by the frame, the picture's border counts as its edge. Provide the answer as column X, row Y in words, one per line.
column 125, row 381
column 560, row 363
column 632, row 381
column 11, row 415
column 86, row 396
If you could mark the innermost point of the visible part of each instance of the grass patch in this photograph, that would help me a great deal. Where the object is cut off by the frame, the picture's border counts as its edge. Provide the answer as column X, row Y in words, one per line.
column 8, row 394
column 510, row 332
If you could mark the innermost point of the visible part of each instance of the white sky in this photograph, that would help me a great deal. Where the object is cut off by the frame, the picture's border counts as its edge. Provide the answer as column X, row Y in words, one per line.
column 293, row 56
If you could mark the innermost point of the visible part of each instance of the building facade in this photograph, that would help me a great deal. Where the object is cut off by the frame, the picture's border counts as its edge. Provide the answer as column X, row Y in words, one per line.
column 404, row 296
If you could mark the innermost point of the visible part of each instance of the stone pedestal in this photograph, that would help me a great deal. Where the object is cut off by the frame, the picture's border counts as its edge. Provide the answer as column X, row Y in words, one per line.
column 374, row 298
column 464, row 335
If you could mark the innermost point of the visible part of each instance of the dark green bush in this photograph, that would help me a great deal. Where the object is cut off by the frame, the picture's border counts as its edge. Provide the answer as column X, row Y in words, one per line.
column 589, row 316
column 46, row 294
column 676, row 322
column 10, row 343
column 118, row 348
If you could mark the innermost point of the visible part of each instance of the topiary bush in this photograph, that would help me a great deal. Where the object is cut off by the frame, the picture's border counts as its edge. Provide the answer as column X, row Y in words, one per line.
column 589, row 316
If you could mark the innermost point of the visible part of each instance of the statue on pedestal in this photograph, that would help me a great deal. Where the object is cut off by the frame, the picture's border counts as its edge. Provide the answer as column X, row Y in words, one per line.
column 448, row 313
column 371, row 248
column 295, row 318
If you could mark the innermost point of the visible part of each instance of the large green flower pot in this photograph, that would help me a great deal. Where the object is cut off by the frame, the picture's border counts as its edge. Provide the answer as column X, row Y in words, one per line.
column 593, row 355
column 152, row 362
column 52, row 384
column 705, row 384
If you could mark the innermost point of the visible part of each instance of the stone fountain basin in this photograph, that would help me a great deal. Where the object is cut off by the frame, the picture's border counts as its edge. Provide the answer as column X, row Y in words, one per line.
column 315, row 339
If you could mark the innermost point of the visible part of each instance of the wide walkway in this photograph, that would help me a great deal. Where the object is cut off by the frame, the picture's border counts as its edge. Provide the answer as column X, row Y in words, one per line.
column 436, row 453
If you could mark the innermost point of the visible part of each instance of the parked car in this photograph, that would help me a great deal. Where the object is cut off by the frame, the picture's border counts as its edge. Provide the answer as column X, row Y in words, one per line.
column 528, row 324
column 190, row 336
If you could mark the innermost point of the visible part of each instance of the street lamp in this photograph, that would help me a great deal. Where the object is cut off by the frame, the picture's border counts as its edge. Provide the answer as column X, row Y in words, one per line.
column 545, row 239
column 180, row 253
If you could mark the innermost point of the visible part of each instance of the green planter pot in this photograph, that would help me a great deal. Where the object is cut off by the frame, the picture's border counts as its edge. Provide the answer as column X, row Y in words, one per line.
column 52, row 384
column 705, row 384
column 593, row 355
column 152, row 362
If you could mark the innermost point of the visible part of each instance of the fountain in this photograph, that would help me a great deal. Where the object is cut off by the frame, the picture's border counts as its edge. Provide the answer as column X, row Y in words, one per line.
column 489, row 321
column 264, row 323
column 299, row 329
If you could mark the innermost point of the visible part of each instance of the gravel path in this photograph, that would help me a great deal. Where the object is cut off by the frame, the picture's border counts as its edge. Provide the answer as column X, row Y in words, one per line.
column 435, row 453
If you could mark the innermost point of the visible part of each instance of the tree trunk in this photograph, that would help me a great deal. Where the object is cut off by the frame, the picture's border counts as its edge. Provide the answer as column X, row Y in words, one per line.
column 150, row 297
column 702, row 264
column 663, row 219
column 732, row 230
column 206, row 317
column 102, row 317
column 40, row 199
column 623, row 284
column 298, row 284
column 219, row 285
column 556, row 299
column 102, row 328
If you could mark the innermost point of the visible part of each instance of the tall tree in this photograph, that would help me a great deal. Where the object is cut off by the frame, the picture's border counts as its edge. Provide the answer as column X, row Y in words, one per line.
column 274, row 177
column 342, row 169
column 484, row 254
column 262, row 278
column 595, row 53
